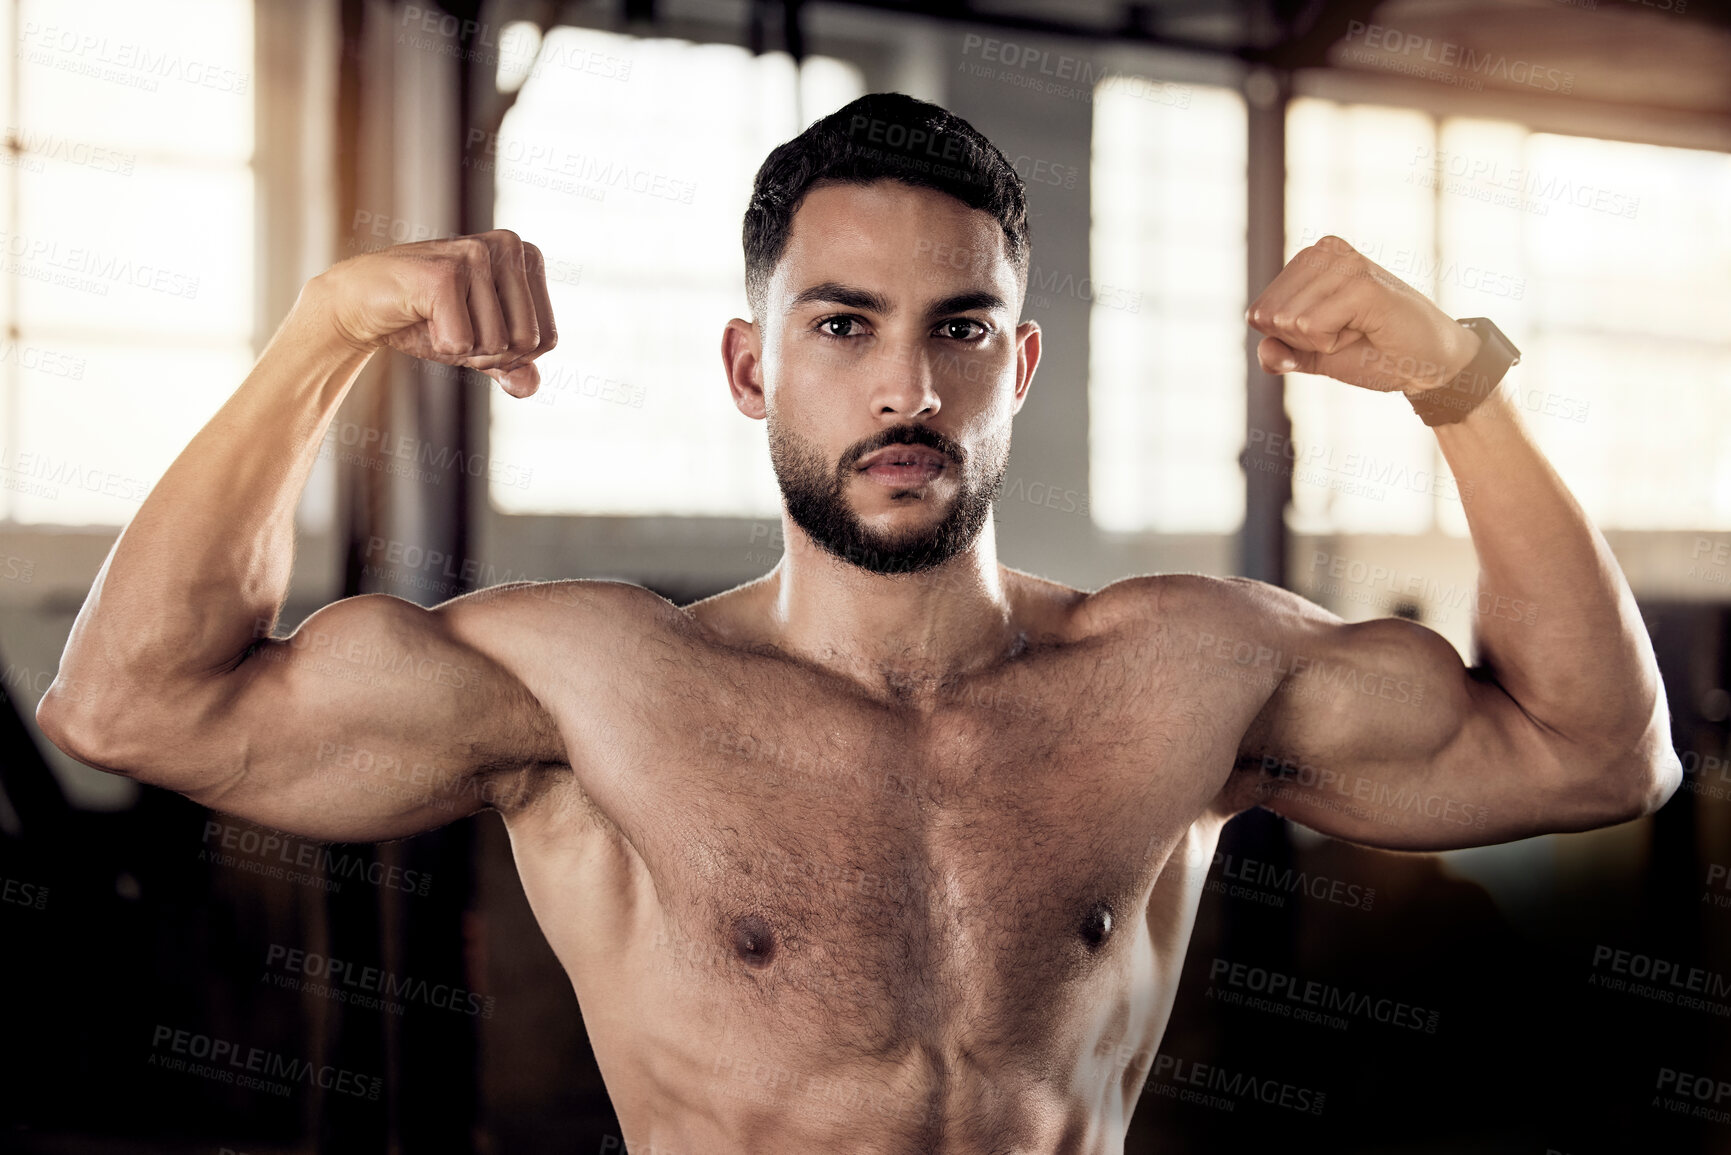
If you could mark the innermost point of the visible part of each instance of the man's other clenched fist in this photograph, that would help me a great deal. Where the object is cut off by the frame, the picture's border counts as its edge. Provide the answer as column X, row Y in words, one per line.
column 478, row 301
column 1332, row 311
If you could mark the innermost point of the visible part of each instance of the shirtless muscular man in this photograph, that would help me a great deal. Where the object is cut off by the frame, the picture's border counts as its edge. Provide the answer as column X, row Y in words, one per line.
column 926, row 832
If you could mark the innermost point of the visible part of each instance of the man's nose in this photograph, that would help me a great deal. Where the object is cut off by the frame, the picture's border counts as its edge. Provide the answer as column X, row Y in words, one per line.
column 904, row 385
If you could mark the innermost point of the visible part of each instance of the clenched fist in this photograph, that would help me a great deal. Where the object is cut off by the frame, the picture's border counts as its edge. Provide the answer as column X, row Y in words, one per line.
column 1333, row 311
column 478, row 301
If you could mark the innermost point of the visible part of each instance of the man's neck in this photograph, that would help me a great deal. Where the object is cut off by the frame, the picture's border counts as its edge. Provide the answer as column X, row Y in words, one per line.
column 903, row 634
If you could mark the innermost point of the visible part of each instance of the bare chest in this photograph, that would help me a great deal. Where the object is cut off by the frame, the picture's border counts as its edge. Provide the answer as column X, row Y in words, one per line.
column 901, row 868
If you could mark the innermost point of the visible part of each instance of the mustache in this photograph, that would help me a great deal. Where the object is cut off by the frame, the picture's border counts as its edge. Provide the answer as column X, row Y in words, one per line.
column 905, row 435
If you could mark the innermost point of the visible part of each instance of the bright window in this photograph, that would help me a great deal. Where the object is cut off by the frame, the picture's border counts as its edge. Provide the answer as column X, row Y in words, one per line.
column 1608, row 264
column 629, row 161
column 126, row 202
column 1166, row 343
column 1362, row 461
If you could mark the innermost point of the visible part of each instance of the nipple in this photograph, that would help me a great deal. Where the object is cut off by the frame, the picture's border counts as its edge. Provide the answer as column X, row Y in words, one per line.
column 753, row 941
column 1097, row 926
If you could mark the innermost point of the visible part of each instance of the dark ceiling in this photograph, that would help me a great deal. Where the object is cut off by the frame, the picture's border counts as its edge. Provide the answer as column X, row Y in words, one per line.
column 1645, row 53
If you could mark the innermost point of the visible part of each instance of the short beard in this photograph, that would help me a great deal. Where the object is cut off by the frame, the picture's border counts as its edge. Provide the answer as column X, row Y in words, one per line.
column 815, row 498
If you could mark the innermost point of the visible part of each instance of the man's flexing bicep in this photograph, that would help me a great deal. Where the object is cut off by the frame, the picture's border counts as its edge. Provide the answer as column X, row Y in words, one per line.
column 1563, row 724
column 164, row 677
column 375, row 719
column 1378, row 733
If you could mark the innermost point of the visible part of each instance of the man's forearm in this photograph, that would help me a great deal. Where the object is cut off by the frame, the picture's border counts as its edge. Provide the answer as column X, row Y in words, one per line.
column 1557, row 624
column 210, row 551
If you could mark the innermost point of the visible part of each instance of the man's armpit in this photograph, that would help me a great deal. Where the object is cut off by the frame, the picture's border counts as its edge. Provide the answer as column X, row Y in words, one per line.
column 513, row 789
column 1248, row 785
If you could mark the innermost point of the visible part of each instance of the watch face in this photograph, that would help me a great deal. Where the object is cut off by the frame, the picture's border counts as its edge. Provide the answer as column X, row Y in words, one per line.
column 1492, row 335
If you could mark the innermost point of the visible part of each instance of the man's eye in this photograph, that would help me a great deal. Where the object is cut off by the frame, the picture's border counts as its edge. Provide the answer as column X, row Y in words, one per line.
column 838, row 326
column 961, row 329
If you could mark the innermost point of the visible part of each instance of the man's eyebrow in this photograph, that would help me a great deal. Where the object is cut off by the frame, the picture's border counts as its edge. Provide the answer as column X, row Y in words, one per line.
column 848, row 296
column 852, row 297
column 967, row 302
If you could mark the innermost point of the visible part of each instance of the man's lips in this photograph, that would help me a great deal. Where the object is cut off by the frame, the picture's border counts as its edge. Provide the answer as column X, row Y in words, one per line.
column 900, row 456
column 904, row 466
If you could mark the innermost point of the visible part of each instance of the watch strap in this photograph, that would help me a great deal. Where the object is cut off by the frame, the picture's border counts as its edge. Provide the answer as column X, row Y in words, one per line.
column 1450, row 403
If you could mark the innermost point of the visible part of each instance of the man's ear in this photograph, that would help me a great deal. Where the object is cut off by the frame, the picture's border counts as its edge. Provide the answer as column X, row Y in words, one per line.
column 1027, row 358
column 742, row 356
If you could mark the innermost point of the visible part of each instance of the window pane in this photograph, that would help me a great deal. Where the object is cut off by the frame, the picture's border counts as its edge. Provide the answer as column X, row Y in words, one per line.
column 635, row 189
column 99, row 423
column 129, row 220
column 1608, row 263
column 1166, row 354
column 166, row 250
column 1625, row 321
column 172, row 77
column 1361, row 461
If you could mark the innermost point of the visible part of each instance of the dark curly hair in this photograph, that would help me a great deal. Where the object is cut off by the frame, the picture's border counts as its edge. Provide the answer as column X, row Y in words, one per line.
column 880, row 136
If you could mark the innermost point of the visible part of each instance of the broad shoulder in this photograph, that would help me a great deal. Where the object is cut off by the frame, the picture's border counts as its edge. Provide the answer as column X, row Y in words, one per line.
column 546, row 600
column 1179, row 605
column 521, row 623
